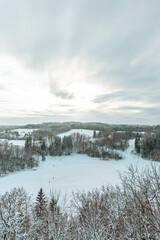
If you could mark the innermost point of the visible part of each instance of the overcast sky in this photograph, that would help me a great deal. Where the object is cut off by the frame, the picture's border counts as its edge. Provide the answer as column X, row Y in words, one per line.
column 82, row 60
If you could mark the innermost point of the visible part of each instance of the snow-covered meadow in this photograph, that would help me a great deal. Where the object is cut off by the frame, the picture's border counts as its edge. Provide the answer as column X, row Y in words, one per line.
column 23, row 131
column 74, row 172
column 88, row 133
column 19, row 143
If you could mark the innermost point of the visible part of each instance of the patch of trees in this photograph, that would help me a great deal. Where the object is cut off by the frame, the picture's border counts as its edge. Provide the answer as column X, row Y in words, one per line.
column 13, row 158
column 78, row 143
column 54, row 146
column 148, row 146
column 94, row 148
column 127, row 212
column 21, row 218
column 13, row 134
column 9, row 135
column 113, row 139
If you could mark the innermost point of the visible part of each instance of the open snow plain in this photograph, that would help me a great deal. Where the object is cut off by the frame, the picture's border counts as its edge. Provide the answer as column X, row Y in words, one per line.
column 88, row 133
column 71, row 173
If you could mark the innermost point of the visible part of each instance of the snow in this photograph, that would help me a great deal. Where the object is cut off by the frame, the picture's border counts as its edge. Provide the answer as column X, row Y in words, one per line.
column 19, row 143
column 23, row 131
column 88, row 133
column 74, row 172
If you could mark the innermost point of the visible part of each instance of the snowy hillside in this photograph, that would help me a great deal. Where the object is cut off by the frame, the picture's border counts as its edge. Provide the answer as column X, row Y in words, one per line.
column 23, row 131
column 88, row 133
column 19, row 143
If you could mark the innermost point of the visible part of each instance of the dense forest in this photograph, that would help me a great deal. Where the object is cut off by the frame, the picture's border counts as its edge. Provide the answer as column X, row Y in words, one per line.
column 148, row 146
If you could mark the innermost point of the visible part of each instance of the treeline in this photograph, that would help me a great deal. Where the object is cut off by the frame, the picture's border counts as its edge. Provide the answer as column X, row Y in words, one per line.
column 54, row 128
column 127, row 212
column 57, row 127
column 13, row 158
column 53, row 146
column 77, row 143
column 97, row 126
column 13, row 134
column 113, row 139
column 148, row 146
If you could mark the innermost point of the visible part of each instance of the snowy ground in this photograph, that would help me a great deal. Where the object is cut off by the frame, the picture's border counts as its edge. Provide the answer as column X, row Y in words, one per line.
column 88, row 133
column 23, row 131
column 20, row 143
column 75, row 172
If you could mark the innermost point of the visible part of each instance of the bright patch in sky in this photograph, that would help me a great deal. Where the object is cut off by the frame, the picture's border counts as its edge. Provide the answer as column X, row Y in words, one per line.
column 58, row 88
column 82, row 60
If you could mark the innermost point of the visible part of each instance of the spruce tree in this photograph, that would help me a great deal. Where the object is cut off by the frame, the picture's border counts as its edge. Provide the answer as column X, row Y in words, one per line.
column 94, row 134
column 69, row 144
column 58, row 146
column 41, row 204
column 137, row 144
column 64, row 145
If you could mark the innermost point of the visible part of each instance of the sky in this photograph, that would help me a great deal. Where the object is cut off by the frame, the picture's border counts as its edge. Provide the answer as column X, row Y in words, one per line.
column 80, row 60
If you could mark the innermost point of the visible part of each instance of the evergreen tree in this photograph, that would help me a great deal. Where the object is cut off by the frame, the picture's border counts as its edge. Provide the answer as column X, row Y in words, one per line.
column 64, row 144
column 43, row 145
column 28, row 143
column 41, row 204
column 137, row 144
column 69, row 144
column 41, row 214
column 58, row 146
column 94, row 134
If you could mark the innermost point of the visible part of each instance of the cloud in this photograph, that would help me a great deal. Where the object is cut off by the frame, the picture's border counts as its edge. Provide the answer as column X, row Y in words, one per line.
column 40, row 30
column 58, row 92
column 117, row 39
column 2, row 87
column 118, row 95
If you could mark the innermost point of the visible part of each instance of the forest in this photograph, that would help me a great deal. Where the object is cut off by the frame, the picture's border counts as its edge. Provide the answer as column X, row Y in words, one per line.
column 148, row 146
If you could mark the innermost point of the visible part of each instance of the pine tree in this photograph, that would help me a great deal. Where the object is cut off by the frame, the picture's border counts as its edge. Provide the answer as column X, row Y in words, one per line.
column 41, row 214
column 64, row 144
column 137, row 144
column 69, row 144
column 94, row 134
column 43, row 145
column 41, row 204
column 28, row 143
column 58, row 146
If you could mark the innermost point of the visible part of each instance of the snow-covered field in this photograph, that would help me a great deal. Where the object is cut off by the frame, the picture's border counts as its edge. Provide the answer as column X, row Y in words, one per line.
column 88, row 133
column 68, row 173
column 20, row 143
column 23, row 131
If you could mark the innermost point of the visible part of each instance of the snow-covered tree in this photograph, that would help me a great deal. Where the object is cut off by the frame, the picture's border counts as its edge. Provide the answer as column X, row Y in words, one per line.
column 15, row 214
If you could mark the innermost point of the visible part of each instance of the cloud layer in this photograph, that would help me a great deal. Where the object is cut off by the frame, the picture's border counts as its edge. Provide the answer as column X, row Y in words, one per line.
column 80, row 59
